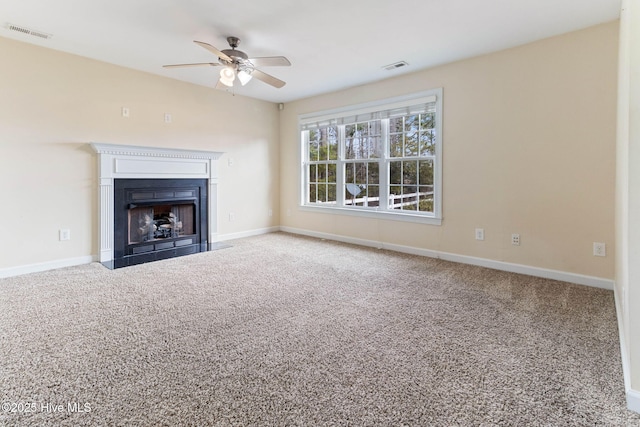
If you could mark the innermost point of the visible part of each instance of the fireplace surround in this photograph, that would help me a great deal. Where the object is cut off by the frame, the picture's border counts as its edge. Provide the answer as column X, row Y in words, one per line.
column 155, row 203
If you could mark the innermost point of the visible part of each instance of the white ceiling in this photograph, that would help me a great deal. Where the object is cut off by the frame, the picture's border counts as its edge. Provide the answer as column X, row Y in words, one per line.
column 332, row 44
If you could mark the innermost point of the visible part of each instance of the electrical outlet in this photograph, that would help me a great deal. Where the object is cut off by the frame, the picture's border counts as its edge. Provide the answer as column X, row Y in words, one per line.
column 230, row 161
column 599, row 249
column 167, row 118
column 232, row 216
column 125, row 112
column 64, row 234
column 270, row 212
column 515, row 239
column 479, row 233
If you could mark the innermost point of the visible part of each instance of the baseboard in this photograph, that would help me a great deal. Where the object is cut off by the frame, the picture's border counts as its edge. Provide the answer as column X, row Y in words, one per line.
column 44, row 266
column 633, row 400
column 249, row 233
column 633, row 396
column 497, row 265
column 563, row 276
column 70, row 262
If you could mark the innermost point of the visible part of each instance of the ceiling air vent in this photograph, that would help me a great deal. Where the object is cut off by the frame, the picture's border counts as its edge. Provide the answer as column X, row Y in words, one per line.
column 395, row 66
column 28, row 31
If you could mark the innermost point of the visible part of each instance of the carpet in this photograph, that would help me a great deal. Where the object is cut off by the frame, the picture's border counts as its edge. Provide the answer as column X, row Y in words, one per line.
column 283, row 330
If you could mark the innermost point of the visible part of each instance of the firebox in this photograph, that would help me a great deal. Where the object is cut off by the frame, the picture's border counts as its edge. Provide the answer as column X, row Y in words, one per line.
column 158, row 218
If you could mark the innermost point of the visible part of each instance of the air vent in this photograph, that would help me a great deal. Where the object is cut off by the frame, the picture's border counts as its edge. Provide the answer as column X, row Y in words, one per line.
column 28, row 31
column 395, row 66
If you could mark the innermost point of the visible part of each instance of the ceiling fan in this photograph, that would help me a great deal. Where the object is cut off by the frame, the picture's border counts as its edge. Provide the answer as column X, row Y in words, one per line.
column 237, row 64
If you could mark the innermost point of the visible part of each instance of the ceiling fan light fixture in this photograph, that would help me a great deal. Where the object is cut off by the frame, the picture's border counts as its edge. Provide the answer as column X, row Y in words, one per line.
column 244, row 76
column 227, row 75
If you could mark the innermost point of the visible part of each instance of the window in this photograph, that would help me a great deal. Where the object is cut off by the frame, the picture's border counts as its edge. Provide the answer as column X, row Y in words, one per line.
column 381, row 159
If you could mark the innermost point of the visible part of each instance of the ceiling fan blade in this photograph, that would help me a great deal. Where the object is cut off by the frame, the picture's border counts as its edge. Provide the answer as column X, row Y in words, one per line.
column 270, row 61
column 199, row 64
column 268, row 79
column 214, row 50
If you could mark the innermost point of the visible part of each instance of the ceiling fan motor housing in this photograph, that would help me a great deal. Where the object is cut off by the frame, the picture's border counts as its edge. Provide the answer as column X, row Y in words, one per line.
column 237, row 55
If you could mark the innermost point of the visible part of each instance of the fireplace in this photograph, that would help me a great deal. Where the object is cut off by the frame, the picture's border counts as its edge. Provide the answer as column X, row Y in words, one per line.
column 158, row 218
column 155, row 203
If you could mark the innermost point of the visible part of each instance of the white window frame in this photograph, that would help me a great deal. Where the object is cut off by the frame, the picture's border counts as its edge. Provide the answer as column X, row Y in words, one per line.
column 381, row 212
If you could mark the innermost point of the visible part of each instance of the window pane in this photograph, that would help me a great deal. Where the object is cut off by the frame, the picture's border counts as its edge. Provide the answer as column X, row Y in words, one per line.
column 312, row 173
column 313, row 197
column 409, row 172
column 361, row 173
column 395, row 196
column 331, row 193
column 410, row 197
column 395, row 145
column 332, row 141
column 363, row 140
column 322, row 173
column 412, row 123
column 349, row 172
column 364, row 148
column 395, row 173
column 426, row 199
column 349, row 150
column 427, row 142
column 427, row 121
column 375, row 128
column 396, row 125
column 313, row 145
column 323, row 150
column 375, row 144
column 331, row 176
column 322, row 192
column 374, row 173
column 411, row 144
column 373, row 194
column 426, row 172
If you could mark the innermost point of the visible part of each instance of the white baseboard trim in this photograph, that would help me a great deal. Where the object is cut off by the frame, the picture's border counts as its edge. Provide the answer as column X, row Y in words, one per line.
column 249, row 233
column 44, row 266
column 633, row 400
column 70, row 262
column 497, row 265
column 563, row 276
column 633, row 396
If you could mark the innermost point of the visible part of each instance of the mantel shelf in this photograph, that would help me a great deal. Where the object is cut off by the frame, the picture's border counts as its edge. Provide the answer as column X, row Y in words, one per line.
column 133, row 150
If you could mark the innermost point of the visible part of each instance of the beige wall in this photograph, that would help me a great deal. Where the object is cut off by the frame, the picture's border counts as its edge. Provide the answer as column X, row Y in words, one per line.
column 53, row 104
column 628, row 198
column 529, row 148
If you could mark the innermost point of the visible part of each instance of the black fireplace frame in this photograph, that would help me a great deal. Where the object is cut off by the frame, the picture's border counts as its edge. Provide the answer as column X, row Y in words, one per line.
column 129, row 193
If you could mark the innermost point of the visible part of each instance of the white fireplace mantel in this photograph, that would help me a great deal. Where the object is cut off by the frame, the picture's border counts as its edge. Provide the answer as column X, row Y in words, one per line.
column 127, row 161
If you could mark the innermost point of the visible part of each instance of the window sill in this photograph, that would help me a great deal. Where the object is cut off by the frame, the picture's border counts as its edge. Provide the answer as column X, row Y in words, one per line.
column 366, row 213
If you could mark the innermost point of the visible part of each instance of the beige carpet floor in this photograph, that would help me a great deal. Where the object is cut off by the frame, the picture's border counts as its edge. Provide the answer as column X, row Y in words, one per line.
column 280, row 330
